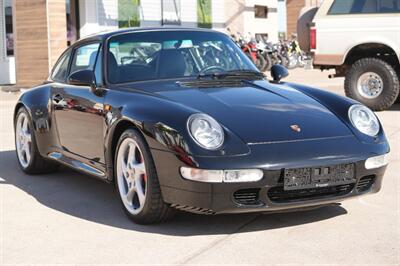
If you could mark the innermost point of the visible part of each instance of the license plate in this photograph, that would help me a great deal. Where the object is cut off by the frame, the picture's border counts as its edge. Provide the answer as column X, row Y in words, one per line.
column 318, row 177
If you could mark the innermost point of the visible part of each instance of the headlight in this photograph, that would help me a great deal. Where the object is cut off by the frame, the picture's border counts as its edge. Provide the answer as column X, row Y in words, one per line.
column 205, row 131
column 364, row 120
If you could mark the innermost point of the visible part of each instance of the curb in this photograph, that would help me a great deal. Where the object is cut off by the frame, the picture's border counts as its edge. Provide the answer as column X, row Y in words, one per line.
column 9, row 89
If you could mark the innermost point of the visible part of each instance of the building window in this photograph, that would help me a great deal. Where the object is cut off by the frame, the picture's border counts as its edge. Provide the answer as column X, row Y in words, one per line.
column 261, row 11
column 171, row 12
column 128, row 13
column 9, row 28
column 204, row 15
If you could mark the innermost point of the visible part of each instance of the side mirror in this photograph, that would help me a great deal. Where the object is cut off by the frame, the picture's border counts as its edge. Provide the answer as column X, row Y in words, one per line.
column 279, row 72
column 83, row 78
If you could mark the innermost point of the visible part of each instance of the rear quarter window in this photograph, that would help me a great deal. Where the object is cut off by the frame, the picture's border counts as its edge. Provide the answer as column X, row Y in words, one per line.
column 60, row 70
column 342, row 7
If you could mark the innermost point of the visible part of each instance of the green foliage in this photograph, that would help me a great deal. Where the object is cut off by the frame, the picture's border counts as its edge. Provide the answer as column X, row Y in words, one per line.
column 128, row 13
column 204, row 14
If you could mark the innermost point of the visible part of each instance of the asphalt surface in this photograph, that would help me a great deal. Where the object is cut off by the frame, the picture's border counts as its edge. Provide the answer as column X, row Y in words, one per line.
column 69, row 218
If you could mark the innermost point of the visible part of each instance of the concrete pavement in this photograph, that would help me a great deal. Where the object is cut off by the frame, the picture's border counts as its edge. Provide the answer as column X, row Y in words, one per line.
column 69, row 218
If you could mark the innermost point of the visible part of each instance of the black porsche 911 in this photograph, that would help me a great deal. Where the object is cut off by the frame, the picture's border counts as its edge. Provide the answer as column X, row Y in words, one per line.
column 180, row 119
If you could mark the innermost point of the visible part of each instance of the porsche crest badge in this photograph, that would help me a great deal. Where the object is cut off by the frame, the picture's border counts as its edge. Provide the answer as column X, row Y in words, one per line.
column 295, row 128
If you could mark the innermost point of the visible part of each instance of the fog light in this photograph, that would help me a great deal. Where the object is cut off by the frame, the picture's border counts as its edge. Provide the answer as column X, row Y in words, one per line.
column 377, row 161
column 219, row 176
column 234, row 176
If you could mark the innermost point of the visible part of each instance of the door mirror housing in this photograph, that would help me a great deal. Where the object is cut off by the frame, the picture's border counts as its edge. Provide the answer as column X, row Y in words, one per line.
column 83, row 78
column 279, row 72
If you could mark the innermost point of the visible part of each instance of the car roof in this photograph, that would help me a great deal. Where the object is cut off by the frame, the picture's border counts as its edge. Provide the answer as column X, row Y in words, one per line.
column 106, row 34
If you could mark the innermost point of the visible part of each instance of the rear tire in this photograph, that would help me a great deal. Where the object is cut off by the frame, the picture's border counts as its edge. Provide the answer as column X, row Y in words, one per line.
column 29, row 158
column 134, row 170
column 372, row 82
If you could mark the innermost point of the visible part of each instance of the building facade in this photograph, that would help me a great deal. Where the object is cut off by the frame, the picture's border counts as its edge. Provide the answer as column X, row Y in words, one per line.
column 34, row 33
column 7, row 59
column 293, row 8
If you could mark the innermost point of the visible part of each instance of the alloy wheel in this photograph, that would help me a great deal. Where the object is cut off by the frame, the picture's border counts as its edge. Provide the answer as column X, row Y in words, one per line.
column 23, row 139
column 132, row 176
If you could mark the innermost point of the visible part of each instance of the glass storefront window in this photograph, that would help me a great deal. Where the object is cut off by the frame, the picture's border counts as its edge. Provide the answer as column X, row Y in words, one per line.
column 204, row 15
column 128, row 13
column 9, row 27
column 171, row 12
column 72, row 8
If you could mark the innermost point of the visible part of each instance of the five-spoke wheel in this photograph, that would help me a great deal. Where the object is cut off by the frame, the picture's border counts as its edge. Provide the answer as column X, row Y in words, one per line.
column 29, row 158
column 23, row 140
column 131, row 174
column 137, row 181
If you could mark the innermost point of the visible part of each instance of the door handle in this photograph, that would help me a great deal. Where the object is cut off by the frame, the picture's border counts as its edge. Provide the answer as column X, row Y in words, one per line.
column 57, row 98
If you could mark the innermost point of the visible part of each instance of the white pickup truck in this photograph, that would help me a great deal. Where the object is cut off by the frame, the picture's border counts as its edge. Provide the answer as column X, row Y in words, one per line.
column 360, row 39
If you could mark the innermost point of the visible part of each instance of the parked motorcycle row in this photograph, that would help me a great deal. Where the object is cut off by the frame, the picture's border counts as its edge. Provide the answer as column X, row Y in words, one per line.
column 265, row 54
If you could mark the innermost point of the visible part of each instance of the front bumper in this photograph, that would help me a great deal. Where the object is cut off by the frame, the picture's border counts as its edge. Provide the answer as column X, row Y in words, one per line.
column 268, row 194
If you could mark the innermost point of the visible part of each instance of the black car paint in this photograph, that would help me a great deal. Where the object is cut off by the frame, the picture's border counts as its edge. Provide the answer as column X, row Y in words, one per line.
column 79, row 127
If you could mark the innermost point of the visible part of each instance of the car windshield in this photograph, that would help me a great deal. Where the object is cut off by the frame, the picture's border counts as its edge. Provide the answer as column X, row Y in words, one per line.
column 140, row 56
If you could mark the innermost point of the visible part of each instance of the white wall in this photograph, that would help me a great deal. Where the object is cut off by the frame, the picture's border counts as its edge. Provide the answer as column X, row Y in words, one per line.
column 218, row 14
column 189, row 13
column 150, row 13
column 269, row 25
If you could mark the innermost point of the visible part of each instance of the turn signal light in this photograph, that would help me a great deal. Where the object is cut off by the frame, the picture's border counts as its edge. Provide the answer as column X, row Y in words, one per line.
column 377, row 161
column 221, row 176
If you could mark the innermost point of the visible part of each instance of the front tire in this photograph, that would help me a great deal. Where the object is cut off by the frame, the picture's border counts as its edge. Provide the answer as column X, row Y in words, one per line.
column 137, row 182
column 29, row 158
column 372, row 82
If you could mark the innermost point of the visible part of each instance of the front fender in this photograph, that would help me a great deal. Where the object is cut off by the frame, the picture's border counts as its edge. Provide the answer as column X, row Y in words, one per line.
column 163, row 123
column 339, row 105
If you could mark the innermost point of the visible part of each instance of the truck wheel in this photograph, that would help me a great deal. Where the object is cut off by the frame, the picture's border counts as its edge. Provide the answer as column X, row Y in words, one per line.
column 372, row 82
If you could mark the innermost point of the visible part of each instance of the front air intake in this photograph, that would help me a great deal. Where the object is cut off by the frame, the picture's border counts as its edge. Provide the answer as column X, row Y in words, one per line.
column 365, row 183
column 248, row 196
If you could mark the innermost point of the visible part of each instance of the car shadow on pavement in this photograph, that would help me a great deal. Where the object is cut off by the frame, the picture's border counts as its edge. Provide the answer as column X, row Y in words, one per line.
column 94, row 200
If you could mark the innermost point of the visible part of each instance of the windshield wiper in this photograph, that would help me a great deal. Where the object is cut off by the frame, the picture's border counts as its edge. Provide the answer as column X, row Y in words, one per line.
column 213, row 75
column 246, row 72
column 232, row 73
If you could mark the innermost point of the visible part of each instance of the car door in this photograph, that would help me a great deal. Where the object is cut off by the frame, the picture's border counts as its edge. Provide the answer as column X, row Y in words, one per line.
column 78, row 112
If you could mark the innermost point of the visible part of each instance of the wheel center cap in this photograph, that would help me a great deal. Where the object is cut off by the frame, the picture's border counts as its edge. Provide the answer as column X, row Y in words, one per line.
column 372, row 85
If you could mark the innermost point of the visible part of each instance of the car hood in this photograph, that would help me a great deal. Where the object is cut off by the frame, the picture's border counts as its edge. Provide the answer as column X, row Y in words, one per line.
column 259, row 111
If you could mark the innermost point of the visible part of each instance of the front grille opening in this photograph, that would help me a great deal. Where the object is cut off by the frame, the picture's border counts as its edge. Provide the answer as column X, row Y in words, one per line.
column 248, row 196
column 365, row 183
column 279, row 195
